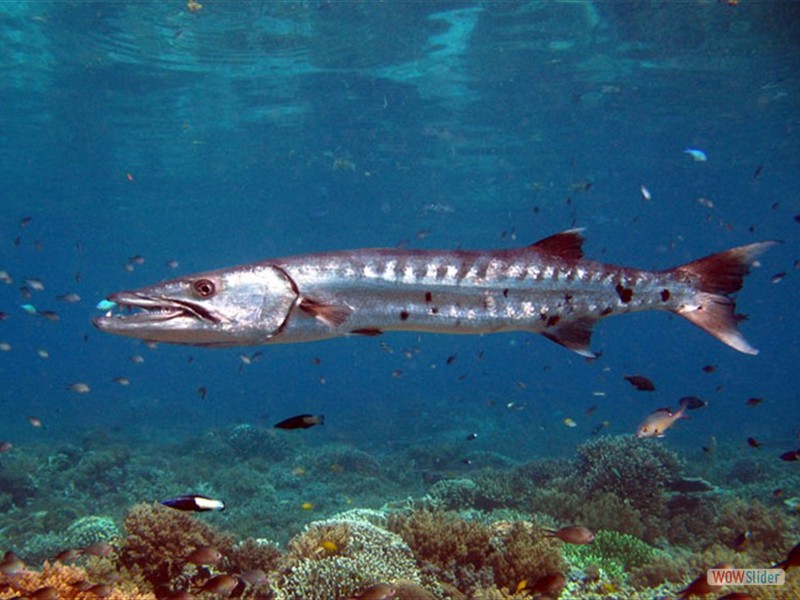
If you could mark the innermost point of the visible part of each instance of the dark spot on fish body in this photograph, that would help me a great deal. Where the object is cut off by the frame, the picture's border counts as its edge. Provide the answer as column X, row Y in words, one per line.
column 434, row 310
column 625, row 294
column 505, row 292
column 553, row 320
column 665, row 295
column 428, row 296
column 404, row 315
column 606, row 311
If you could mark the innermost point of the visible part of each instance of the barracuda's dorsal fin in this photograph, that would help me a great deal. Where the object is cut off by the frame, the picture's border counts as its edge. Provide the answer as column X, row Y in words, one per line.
column 567, row 244
column 575, row 335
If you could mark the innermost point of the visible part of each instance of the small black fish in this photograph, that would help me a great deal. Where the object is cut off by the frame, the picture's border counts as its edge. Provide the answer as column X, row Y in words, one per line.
column 471, row 436
column 301, row 422
column 757, row 172
column 194, row 503
column 202, row 391
column 754, row 443
column 641, row 383
column 741, row 541
column 754, row 401
column 778, row 277
column 791, row 456
column 693, row 402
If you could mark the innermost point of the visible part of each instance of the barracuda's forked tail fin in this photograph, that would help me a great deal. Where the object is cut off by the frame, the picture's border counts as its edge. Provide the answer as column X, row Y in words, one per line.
column 716, row 277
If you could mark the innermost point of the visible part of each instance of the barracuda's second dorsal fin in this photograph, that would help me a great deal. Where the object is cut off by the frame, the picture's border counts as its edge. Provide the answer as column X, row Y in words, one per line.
column 575, row 335
column 567, row 244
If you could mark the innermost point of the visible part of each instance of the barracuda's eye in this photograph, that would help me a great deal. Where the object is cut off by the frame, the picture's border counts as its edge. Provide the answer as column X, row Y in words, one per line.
column 204, row 288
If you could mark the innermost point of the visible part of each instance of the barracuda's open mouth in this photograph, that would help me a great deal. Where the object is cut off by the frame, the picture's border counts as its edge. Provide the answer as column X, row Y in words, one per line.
column 134, row 309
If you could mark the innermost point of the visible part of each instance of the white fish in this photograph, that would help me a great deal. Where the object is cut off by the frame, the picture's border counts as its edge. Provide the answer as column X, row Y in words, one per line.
column 646, row 196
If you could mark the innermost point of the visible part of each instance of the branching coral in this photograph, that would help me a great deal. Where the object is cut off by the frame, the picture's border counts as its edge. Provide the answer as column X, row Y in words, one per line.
column 70, row 583
column 472, row 555
column 159, row 540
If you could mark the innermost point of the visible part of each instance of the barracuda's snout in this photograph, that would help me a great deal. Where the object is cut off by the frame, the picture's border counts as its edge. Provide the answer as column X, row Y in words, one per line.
column 231, row 307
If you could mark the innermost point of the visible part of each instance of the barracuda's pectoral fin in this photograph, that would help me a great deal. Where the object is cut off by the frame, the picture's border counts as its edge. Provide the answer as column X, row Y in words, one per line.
column 333, row 315
column 575, row 335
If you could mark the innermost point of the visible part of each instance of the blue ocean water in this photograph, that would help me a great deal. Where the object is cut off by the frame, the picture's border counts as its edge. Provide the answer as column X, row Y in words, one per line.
column 246, row 130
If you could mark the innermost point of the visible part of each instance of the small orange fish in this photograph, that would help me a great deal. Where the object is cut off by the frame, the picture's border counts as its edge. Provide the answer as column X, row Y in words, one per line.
column 221, row 585
column 11, row 564
column 204, row 555
column 658, row 421
column 700, row 586
column 792, row 559
column 574, row 534
column 379, row 591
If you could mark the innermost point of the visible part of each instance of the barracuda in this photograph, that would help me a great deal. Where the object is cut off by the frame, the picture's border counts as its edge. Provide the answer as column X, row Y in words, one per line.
column 546, row 288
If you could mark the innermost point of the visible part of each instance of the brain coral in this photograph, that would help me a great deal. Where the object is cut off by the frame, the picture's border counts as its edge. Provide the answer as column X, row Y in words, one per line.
column 364, row 554
column 88, row 530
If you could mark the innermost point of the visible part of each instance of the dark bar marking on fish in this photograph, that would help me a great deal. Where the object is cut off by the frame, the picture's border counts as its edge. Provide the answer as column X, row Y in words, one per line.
column 428, row 296
column 404, row 315
column 665, row 295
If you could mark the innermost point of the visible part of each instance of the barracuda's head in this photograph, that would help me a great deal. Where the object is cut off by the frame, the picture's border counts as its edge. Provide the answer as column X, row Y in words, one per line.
column 230, row 307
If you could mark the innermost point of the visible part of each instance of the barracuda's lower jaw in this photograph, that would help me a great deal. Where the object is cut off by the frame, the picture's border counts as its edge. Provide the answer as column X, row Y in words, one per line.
column 149, row 316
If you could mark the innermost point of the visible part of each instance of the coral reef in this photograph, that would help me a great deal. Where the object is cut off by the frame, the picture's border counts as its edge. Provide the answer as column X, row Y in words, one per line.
column 613, row 553
column 159, row 540
column 338, row 558
column 69, row 583
column 249, row 441
column 473, row 556
column 88, row 530
column 637, row 470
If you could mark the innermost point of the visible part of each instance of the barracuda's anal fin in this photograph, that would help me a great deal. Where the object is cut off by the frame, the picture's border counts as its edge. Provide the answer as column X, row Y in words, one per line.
column 575, row 335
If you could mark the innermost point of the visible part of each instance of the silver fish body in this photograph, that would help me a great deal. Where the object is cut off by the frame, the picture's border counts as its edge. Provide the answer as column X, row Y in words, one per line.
column 545, row 288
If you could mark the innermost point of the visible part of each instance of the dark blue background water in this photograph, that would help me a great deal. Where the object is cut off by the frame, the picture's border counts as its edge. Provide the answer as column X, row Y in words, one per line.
column 248, row 130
